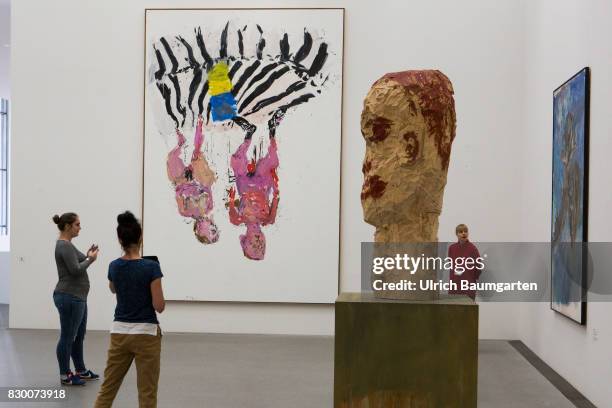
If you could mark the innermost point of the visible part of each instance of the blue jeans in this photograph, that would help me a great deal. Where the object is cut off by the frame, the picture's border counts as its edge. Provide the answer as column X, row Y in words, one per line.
column 73, row 324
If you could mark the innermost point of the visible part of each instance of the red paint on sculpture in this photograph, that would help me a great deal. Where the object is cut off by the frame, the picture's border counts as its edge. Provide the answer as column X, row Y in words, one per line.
column 435, row 92
column 373, row 187
column 380, row 129
column 412, row 146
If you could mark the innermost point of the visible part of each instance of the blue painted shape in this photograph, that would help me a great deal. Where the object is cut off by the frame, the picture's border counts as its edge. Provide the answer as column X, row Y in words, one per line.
column 223, row 107
column 568, row 180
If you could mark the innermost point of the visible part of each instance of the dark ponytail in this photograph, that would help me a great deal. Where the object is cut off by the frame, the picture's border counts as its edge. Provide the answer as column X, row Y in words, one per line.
column 66, row 219
column 129, row 230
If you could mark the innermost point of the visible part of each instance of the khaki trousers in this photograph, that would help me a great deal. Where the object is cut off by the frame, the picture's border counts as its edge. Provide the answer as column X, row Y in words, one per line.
column 124, row 348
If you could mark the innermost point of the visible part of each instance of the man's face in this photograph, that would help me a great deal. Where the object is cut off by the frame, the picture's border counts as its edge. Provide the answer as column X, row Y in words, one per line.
column 402, row 169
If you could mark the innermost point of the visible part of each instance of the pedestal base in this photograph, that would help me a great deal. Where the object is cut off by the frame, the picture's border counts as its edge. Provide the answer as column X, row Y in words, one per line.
column 391, row 353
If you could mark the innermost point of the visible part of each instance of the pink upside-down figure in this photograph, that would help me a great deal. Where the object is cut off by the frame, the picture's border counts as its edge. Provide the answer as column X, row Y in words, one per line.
column 257, row 184
column 193, row 186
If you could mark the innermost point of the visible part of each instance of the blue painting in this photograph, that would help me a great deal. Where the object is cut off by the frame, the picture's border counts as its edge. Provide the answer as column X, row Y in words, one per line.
column 569, row 197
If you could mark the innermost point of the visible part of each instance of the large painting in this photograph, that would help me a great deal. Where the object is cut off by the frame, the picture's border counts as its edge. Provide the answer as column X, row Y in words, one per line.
column 569, row 196
column 242, row 152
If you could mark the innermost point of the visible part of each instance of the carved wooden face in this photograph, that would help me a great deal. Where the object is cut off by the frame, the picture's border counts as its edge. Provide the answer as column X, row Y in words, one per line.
column 404, row 172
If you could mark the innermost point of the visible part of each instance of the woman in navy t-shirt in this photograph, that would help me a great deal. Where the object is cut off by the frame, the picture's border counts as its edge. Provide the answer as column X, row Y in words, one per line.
column 135, row 334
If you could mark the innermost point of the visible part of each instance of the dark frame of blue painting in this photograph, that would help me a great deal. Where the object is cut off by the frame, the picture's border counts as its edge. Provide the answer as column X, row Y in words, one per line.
column 570, row 174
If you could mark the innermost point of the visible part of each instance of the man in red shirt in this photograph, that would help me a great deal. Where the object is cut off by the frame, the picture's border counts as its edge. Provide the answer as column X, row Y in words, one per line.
column 465, row 268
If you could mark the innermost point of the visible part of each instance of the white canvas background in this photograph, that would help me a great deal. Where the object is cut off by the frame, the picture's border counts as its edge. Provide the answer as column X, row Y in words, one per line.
column 301, row 261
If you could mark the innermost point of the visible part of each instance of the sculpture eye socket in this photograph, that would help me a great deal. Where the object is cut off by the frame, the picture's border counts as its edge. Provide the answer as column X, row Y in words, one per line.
column 412, row 146
column 381, row 128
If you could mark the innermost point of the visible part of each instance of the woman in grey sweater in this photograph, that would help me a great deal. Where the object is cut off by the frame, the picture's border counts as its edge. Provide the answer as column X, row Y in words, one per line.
column 70, row 297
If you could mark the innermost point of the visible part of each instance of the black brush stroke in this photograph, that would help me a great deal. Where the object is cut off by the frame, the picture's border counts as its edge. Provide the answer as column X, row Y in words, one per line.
column 193, row 87
column 177, row 89
column 302, row 99
column 245, row 75
column 167, row 95
column 319, row 60
column 208, row 113
column 260, row 46
column 159, row 74
column 170, row 55
column 245, row 125
column 264, row 71
column 223, row 46
column 200, row 40
column 284, row 48
column 193, row 62
column 263, row 87
column 304, row 49
column 201, row 98
column 294, row 87
column 240, row 44
column 258, row 28
column 234, row 69
column 186, row 69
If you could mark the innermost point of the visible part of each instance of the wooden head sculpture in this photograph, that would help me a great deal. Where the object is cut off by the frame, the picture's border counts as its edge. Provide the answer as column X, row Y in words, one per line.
column 408, row 122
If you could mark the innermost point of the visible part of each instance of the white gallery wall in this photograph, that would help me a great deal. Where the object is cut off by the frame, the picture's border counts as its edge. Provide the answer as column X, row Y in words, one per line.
column 5, row 50
column 565, row 36
column 5, row 93
column 77, row 79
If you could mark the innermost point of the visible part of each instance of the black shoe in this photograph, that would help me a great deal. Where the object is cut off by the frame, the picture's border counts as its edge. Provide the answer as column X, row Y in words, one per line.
column 72, row 379
column 88, row 375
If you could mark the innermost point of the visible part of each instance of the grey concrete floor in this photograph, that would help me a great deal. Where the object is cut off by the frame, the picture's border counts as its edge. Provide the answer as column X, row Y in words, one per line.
column 235, row 371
